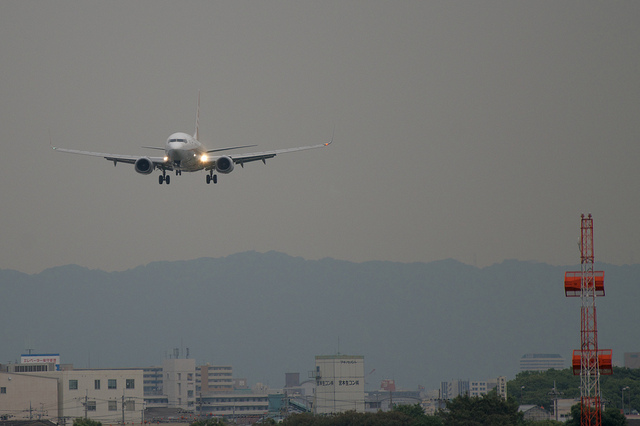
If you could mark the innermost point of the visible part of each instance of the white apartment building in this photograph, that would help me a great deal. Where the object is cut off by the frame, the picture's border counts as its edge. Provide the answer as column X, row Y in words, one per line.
column 339, row 383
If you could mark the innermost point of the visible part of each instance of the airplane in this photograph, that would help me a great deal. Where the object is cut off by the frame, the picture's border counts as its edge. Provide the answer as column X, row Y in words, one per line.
column 185, row 153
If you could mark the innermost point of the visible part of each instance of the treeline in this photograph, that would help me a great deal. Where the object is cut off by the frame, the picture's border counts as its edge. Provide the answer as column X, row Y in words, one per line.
column 461, row 411
column 536, row 388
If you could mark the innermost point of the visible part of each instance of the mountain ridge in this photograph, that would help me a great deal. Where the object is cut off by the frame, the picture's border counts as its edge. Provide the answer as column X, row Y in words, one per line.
column 270, row 313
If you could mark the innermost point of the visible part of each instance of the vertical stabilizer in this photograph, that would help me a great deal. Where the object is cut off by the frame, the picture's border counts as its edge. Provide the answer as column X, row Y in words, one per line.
column 196, row 135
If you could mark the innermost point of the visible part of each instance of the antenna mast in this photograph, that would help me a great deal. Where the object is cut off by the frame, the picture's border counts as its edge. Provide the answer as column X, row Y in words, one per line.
column 588, row 361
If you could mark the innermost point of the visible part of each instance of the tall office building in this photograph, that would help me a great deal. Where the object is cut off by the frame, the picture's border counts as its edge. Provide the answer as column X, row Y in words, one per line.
column 541, row 362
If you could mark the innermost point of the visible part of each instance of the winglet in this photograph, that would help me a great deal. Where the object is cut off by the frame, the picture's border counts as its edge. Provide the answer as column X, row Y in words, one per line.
column 332, row 133
column 50, row 141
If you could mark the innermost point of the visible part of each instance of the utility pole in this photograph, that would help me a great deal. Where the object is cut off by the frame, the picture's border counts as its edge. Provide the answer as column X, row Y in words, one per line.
column 554, row 395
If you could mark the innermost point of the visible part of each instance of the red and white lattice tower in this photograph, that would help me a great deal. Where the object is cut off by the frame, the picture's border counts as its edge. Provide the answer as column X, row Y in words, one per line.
column 589, row 361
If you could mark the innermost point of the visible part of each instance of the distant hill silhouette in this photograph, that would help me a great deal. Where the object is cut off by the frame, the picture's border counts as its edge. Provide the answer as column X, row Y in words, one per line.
column 270, row 313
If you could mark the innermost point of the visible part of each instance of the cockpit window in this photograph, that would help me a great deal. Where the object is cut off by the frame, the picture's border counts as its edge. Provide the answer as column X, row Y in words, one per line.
column 178, row 140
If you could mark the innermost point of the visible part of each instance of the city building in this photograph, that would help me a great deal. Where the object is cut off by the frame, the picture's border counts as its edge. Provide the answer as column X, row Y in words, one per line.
column 339, row 383
column 302, row 393
column 564, row 409
column 233, row 405
column 153, row 381
column 501, row 387
column 632, row 359
column 214, row 378
column 179, row 383
column 534, row 413
column 28, row 396
column 385, row 400
column 41, row 387
column 541, row 362
column 110, row 396
column 477, row 388
column 453, row 389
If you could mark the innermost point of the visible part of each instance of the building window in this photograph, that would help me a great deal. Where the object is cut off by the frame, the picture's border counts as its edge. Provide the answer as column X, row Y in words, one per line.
column 112, row 384
column 73, row 384
column 3, row 390
column 96, row 384
column 91, row 406
column 130, row 406
column 113, row 405
column 130, row 383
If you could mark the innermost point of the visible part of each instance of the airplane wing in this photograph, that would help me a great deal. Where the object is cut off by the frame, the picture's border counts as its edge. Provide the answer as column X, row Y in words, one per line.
column 116, row 158
column 263, row 156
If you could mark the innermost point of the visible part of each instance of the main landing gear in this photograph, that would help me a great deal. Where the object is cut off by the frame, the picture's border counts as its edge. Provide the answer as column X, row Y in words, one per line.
column 212, row 178
column 164, row 178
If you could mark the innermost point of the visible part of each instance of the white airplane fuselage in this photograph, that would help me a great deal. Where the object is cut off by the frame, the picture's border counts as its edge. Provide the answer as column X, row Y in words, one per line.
column 184, row 152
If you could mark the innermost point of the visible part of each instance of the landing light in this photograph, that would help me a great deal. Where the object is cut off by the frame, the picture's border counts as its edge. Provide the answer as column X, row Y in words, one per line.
column 204, row 158
column 166, row 158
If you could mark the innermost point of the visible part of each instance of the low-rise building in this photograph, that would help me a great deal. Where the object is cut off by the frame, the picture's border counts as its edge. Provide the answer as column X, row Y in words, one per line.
column 27, row 396
column 106, row 395
column 109, row 395
column 233, row 405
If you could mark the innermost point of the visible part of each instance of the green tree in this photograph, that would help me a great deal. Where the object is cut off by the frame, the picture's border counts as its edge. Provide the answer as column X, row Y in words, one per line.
column 534, row 387
column 207, row 422
column 396, row 417
column 85, row 422
column 417, row 415
column 488, row 410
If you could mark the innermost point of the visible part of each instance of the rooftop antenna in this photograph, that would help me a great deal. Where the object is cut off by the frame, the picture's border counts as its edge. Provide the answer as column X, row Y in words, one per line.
column 29, row 347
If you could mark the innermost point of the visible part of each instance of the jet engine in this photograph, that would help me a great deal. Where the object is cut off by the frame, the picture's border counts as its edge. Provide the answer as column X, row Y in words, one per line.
column 224, row 164
column 144, row 165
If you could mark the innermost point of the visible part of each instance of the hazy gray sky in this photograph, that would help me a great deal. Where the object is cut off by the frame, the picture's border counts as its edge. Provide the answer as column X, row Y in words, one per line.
column 478, row 131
